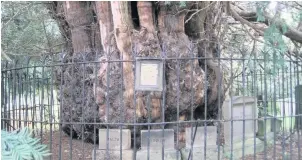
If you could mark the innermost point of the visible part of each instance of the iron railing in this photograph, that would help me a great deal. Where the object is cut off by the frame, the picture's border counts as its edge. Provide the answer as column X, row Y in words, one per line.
column 41, row 94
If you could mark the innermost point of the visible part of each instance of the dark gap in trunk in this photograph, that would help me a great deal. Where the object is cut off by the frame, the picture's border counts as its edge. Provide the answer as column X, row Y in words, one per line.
column 155, row 8
column 94, row 16
column 134, row 14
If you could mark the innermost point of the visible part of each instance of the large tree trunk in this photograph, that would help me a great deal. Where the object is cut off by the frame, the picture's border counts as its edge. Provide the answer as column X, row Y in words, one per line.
column 160, row 31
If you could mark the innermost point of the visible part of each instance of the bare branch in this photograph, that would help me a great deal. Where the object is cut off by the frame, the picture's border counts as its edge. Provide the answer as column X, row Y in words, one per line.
column 254, row 38
column 5, row 56
column 298, row 4
column 199, row 11
column 18, row 13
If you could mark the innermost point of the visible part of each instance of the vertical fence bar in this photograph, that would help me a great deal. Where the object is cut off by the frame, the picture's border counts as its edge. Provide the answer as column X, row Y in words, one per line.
column 20, row 85
column 14, row 94
column 73, row 63
column 107, row 102
column 255, row 85
column 122, row 111
column 23, row 89
column 9, row 100
column 61, row 120
column 51, row 107
column 163, row 52
column 3, row 95
column 192, row 97
column 219, row 98
column 34, row 98
column 178, row 96
column 149, row 121
column 265, row 103
column 282, row 114
column 30, row 107
column 6, row 100
column 135, row 107
column 289, row 86
column 26, row 91
column 243, row 85
column 42, row 108
column 274, row 104
column 96, row 84
column 83, row 123
column 299, row 117
column 205, row 102
column 231, row 103
column 298, row 111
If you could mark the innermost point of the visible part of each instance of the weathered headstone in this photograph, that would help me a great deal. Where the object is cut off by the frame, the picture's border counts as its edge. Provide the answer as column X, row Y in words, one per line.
column 287, row 107
column 264, row 126
column 243, row 112
column 242, row 108
column 153, row 143
column 204, row 135
column 298, row 98
column 156, row 139
column 119, row 144
column 114, row 139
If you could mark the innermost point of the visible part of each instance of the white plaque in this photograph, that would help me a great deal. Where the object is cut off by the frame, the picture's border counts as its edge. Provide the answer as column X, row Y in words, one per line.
column 149, row 73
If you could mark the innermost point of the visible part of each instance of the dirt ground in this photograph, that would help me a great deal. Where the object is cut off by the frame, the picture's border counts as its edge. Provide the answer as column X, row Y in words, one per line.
column 287, row 149
column 80, row 150
column 83, row 151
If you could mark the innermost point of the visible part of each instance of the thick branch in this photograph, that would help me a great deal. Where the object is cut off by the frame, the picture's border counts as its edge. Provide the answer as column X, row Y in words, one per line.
column 244, row 17
column 106, row 25
column 78, row 18
column 122, row 30
column 237, row 17
column 145, row 15
column 291, row 33
column 56, row 11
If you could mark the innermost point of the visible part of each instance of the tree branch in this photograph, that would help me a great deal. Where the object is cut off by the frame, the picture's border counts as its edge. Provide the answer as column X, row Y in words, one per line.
column 243, row 17
column 198, row 12
column 237, row 17
column 14, row 16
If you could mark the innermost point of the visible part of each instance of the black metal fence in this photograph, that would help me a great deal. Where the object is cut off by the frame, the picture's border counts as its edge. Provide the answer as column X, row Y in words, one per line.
column 57, row 96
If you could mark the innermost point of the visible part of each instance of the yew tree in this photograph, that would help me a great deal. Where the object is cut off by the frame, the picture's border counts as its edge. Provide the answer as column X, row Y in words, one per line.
column 116, row 33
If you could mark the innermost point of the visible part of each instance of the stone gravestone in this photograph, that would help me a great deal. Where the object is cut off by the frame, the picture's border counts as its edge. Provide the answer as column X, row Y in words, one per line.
column 153, row 141
column 287, row 108
column 205, row 139
column 247, row 129
column 298, row 98
column 116, row 145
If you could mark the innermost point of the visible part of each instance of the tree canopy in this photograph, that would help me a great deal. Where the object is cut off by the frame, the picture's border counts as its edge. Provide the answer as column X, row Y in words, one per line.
column 29, row 29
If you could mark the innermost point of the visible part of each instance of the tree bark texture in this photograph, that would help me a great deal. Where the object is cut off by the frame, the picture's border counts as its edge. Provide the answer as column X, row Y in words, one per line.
column 128, row 30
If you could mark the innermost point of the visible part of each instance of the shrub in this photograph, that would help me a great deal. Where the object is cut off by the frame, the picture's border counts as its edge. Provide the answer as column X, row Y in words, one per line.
column 21, row 145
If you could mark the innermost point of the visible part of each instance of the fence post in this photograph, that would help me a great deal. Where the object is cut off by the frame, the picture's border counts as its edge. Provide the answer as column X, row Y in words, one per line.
column 298, row 98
